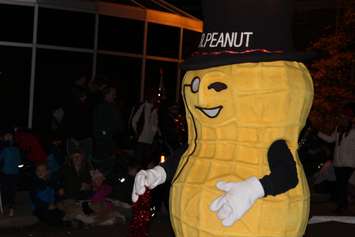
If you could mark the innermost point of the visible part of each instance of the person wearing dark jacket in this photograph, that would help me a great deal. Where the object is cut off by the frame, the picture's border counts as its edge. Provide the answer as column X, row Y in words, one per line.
column 75, row 177
column 78, row 120
column 107, row 123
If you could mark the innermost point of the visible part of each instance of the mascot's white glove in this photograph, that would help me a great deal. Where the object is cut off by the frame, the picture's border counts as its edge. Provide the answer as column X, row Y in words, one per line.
column 147, row 178
column 239, row 197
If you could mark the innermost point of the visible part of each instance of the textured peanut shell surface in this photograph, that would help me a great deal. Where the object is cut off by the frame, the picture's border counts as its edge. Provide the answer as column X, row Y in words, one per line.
column 229, row 132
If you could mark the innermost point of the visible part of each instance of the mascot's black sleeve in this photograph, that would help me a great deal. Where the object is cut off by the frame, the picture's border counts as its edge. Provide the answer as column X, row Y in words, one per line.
column 283, row 175
column 170, row 166
column 283, row 171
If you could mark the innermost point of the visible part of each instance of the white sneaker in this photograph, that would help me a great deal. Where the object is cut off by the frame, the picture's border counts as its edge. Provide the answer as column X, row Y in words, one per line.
column 110, row 221
column 85, row 219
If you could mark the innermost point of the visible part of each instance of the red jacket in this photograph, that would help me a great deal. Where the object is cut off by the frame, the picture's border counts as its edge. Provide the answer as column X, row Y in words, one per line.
column 31, row 146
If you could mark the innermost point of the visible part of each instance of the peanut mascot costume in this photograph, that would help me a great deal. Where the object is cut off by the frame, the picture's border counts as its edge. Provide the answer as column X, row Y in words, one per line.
column 247, row 96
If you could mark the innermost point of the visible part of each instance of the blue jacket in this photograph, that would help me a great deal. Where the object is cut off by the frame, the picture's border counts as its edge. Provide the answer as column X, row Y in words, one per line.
column 42, row 194
column 10, row 159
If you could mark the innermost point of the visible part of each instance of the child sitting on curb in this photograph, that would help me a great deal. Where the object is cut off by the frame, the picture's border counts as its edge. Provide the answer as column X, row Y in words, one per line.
column 44, row 198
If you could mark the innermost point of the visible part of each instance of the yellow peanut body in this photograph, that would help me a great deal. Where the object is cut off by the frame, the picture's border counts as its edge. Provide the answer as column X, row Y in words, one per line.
column 262, row 102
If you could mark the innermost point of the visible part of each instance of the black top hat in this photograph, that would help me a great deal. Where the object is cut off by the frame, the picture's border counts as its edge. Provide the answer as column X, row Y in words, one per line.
column 239, row 31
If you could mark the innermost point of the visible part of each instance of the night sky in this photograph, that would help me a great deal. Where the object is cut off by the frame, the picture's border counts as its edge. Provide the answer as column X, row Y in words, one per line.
column 311, row 19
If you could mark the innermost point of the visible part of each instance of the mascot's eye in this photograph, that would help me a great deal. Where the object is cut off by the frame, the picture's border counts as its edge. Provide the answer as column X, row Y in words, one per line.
column 217, row 86
column 195, row 84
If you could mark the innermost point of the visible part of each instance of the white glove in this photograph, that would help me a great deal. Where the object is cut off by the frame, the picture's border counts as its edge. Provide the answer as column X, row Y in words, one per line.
column 147, row 178
column 239, row 197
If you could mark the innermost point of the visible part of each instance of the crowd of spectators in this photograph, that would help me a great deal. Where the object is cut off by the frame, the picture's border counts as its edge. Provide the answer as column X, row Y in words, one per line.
column 63, row 171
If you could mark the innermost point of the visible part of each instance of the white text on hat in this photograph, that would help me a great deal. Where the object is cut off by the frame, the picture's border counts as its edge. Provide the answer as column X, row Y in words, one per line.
column 225, row 39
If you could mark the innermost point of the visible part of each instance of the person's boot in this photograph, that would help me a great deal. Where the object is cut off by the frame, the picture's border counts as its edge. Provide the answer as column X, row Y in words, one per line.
column 11, row 212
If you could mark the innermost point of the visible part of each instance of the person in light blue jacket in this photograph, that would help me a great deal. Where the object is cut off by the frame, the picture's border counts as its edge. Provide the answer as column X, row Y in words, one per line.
column 10, row 159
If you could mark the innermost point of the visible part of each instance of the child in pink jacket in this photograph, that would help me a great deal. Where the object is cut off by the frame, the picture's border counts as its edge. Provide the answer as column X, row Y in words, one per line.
column 101, row 191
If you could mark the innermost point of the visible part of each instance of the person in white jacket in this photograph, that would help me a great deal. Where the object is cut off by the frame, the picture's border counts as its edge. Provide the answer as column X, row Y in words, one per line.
column 344, row 154
column 148, row 112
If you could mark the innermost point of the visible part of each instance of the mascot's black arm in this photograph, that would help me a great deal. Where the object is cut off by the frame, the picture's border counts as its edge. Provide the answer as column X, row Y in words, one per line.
column 171, row 164
column 283, row 172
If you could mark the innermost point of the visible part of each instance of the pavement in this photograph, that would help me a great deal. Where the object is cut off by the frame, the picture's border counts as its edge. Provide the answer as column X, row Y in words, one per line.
column 23, row 213
column 24, row 225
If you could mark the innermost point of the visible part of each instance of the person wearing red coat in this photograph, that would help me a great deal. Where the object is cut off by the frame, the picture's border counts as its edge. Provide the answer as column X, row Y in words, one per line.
column 31, row 145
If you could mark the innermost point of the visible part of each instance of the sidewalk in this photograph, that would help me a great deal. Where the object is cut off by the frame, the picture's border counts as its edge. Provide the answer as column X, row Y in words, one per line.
column 23, row 224
column 23, row 213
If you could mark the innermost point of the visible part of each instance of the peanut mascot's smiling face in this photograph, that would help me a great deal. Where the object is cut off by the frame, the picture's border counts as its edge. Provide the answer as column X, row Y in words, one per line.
column 210, row 94
column 265, row 93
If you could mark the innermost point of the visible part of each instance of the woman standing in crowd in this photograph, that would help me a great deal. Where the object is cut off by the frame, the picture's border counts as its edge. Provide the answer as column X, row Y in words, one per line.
column 344, row 153
column 145, row 124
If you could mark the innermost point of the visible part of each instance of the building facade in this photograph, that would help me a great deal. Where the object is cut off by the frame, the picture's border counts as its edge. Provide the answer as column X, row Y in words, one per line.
column 47, row 44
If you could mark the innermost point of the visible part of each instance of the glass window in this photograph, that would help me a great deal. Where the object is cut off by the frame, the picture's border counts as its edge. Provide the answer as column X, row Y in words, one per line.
column 15, row 74
column 125, row 74
column 16, row 23
column 119, row 34
column 166, row 82
column 56, row 72
column 190, row 42
column 66, row 28
column 163, row 41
